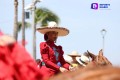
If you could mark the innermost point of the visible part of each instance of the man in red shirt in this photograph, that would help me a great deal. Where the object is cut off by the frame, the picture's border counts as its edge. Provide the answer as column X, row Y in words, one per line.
column 52, row 55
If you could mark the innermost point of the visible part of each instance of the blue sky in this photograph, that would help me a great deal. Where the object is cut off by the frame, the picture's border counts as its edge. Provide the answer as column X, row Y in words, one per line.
column 83, row 22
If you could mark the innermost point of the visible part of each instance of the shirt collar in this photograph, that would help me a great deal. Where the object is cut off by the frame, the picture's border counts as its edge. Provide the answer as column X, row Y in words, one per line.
column 51, row 43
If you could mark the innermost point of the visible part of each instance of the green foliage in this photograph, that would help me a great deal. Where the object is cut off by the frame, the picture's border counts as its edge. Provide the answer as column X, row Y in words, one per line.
column 44, row 15
column 27, row 25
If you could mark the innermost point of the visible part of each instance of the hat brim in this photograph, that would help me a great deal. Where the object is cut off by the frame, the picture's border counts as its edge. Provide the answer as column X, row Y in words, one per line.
column 61, row 31
column 77, row 59
column 68, row 59
column 74, row 55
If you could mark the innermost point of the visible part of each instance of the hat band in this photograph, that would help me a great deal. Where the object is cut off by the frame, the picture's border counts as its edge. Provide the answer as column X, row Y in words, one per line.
column 83, row 62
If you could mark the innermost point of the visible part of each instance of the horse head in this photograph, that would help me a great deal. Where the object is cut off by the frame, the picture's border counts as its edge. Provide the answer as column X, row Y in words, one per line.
column 100, row 59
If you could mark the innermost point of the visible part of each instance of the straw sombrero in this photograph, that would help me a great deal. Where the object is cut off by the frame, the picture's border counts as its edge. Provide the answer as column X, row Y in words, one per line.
column 74, row 53
column 68, row 59
column 52, row 26
column 83, row 60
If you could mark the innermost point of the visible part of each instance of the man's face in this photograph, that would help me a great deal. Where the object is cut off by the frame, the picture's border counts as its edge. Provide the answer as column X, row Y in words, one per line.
column 52, row 35
column 74, row 59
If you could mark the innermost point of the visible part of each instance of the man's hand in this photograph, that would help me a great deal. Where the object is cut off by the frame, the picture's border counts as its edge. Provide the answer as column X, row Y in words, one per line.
column 72, row 68
column 63, row 69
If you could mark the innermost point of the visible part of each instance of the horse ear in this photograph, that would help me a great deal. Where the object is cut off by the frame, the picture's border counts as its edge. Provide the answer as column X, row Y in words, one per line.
column 91, row 55
column 101, row 52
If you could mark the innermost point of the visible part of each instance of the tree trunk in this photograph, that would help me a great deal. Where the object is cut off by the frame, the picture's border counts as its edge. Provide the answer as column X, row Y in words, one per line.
column 23, row 24
column 15, row 33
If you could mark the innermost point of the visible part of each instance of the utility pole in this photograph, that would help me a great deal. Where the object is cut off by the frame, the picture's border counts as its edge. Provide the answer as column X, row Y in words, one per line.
column 33, row 30
column 103, row 33
column 32, row 7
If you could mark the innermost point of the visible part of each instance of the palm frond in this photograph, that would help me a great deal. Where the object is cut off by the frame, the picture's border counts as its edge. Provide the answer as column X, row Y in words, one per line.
column 27, row 25
column 44, row 15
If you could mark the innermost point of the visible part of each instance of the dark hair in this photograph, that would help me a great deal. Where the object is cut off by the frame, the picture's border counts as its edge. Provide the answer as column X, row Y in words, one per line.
column 38, row 60
column 45, row 37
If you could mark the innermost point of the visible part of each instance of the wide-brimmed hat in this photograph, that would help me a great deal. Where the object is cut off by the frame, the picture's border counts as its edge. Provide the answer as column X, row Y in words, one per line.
column 83, row 60
column 52, row 26
column 68, row 59
column 74, row 53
